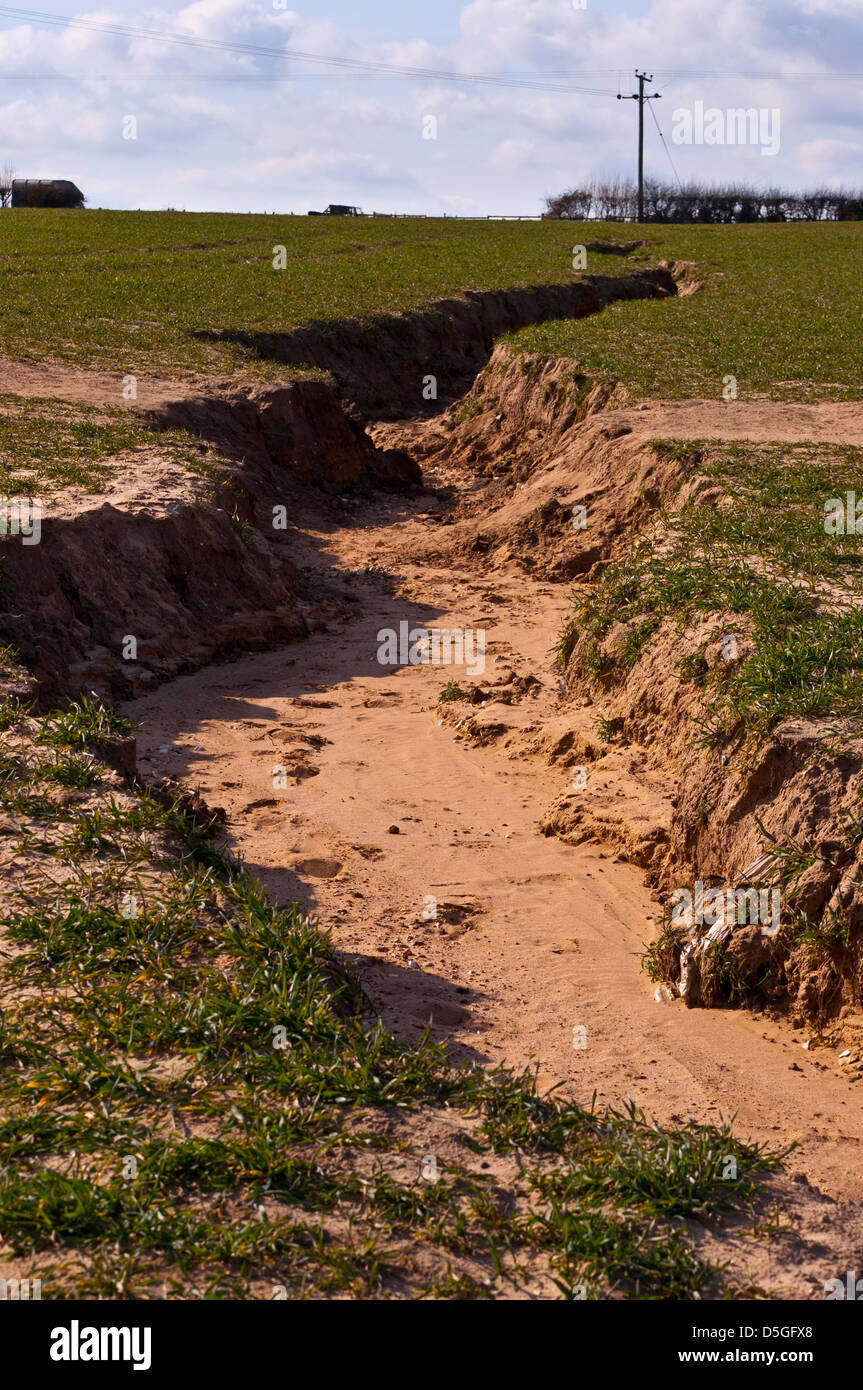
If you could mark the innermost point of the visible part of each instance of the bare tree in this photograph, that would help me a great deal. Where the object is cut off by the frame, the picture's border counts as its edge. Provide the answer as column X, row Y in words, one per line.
column 6, row 177
column 573, row 205
column 615, row 200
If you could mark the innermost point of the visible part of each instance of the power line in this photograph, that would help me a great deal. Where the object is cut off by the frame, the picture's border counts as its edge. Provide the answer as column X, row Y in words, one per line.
column 392, row 69
column 674, row 73
column 205, row 77
column 187, row 77
column 178, row 77
column 667, row 150
column 286, row 54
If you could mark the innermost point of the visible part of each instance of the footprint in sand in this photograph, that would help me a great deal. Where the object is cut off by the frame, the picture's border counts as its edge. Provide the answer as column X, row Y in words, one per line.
column 317, row 868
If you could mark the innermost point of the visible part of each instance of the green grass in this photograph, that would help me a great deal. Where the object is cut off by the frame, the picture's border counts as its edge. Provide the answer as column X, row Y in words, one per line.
column 48, row 444
column 129, row 290
column 82, row 722
column 763, row 560
column 775, row 313
column 196, row 1100
column 133, row 290
column 451, row 691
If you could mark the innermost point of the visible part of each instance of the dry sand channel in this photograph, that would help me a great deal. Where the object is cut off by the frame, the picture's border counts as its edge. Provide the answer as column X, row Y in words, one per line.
column 423, row 855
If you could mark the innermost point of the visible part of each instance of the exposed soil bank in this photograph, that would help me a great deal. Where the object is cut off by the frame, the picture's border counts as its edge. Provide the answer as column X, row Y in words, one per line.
column 562, row 486
column 186, row 565
column 381, row 364
column 189, row 568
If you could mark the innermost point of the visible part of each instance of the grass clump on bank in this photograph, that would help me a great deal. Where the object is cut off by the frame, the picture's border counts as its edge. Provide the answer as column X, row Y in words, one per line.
column 197, row 1101
column 756, row 552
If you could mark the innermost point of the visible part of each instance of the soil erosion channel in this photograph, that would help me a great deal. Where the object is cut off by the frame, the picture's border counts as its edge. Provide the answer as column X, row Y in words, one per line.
column 349, row 789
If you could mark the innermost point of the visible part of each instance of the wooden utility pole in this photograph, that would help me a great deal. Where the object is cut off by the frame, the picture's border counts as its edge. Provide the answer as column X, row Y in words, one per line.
column 641, row 99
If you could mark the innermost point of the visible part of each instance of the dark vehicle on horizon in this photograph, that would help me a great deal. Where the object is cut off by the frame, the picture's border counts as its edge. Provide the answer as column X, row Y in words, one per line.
column 338, row 210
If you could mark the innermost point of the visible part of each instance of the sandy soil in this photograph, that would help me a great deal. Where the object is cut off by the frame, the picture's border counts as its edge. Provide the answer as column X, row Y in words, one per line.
column 828, row 422
column 20, row 377
column 421, row 851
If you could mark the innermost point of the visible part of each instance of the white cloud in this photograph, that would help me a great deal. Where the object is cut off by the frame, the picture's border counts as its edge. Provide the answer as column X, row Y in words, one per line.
column 323, row 136
column 512, row 155
column 814, row 157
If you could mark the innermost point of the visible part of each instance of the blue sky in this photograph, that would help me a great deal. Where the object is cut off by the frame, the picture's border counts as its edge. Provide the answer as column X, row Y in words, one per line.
column 214, row 130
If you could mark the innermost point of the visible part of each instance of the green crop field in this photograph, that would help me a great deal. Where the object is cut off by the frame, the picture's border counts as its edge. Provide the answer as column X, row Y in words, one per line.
column 781, row 312
column 135, row 291
column 129, row 290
